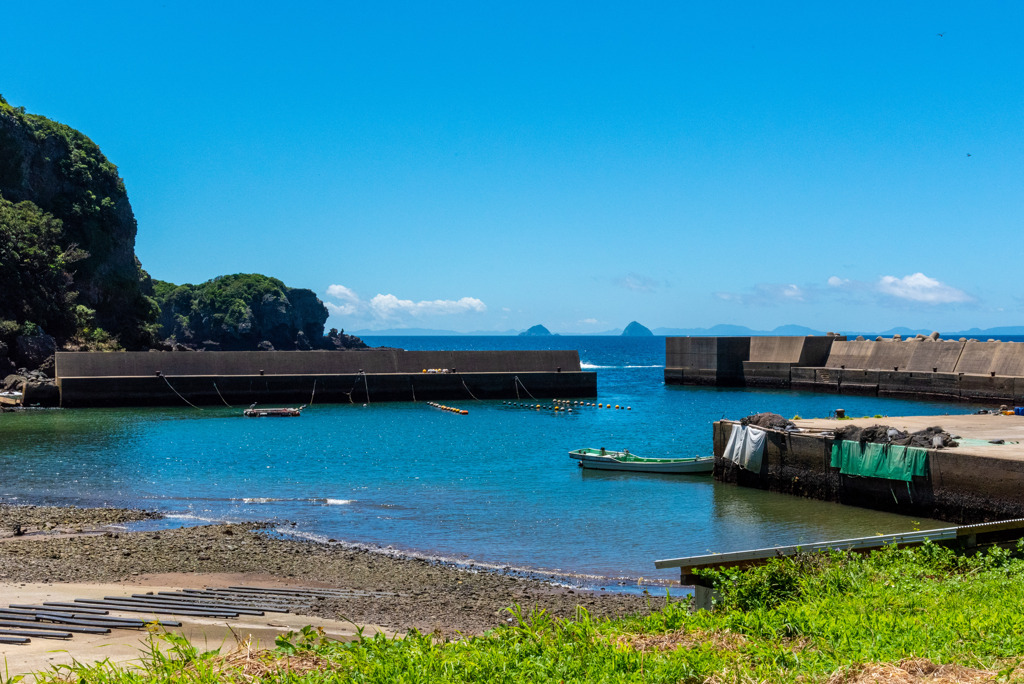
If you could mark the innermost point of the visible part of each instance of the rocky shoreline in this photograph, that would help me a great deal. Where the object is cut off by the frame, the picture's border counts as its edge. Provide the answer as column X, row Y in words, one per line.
column 423, row 595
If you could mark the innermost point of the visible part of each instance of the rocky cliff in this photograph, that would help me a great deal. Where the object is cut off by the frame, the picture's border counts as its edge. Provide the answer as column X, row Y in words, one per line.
column 245, row 311
column 63, row 172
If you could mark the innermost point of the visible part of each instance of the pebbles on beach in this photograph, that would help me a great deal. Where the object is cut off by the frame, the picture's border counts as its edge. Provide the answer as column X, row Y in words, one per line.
column 17, row 519
column 427, row 596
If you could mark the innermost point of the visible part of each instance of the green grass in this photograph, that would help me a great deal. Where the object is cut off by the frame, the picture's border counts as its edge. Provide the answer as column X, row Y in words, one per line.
column 800, row 619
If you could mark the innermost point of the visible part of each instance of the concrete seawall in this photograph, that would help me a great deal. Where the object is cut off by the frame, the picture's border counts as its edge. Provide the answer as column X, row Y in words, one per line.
column 917, row 368
column 966, row 484
column 241, row 378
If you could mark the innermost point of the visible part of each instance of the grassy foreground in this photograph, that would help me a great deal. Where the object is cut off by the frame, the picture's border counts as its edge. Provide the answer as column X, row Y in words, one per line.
column 924, row 614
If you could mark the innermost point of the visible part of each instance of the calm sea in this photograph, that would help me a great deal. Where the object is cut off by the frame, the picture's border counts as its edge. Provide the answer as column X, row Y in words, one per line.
column 494, row 487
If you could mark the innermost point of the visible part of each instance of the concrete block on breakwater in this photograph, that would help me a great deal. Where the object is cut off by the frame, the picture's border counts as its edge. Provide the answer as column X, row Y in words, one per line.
column 917, row 368
column 241, row 378
column 975, row 482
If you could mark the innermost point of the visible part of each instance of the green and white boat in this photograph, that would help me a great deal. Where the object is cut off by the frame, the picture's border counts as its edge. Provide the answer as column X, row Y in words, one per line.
column 601, row 459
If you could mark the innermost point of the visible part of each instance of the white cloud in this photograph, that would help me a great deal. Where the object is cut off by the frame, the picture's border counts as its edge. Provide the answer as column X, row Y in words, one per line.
column 918, row 287
column 836, row 281
column 768, row 294
column 589, row 321
column 793, row 292
column 388, row 307
column 343, row 293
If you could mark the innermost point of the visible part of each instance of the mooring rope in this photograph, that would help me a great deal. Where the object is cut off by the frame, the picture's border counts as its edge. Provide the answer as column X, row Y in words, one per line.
column 524, row 389
column 351, row 391
column 313, row 394
column 366, row 384
column 467, row 388
column 178, row 393
column 220, row 395
column 413, row 386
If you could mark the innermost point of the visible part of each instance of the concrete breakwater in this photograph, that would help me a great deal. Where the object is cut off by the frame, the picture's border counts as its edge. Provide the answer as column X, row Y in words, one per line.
column 978, row 481
column 295, row 377
column 918, row 368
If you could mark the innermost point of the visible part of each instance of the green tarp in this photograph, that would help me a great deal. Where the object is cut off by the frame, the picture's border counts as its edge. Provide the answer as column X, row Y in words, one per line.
column 888, row 461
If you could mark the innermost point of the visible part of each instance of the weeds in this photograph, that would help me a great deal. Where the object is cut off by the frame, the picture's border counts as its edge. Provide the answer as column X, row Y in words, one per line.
column 908, row 615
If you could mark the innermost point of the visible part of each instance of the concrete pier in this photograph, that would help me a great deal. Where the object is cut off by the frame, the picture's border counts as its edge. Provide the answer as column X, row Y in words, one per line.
column 915, row 368
column 241, row 378
column 975, row 482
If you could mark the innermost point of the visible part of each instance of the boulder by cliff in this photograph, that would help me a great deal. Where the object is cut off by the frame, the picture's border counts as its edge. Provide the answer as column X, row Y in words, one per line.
column 245, row 311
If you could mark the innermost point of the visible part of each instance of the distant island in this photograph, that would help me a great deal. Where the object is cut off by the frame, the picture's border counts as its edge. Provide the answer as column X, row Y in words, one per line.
column 634, row 329
column 536, row 331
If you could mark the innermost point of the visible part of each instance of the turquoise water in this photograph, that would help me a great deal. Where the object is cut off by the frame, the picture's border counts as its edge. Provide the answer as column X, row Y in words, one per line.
column 494, row 487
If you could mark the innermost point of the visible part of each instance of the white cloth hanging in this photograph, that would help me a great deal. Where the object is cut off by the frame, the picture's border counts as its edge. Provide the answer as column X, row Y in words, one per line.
column 745, row 447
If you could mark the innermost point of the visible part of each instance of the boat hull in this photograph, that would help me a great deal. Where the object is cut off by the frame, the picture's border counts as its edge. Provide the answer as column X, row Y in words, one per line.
column 609, row 461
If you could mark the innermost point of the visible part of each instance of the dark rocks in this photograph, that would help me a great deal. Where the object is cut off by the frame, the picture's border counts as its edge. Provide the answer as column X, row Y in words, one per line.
column 32, row 351
column 41, row 393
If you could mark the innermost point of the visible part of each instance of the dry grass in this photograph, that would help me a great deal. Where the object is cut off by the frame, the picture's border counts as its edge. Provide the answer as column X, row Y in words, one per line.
column 912, row 671
column 248, row 664
column 682, row 639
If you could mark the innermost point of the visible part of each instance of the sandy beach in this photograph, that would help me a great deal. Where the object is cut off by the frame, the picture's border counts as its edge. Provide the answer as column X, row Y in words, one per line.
column 67, row 550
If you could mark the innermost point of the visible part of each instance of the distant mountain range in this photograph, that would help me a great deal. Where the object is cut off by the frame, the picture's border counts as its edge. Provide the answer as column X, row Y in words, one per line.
column 721, row 330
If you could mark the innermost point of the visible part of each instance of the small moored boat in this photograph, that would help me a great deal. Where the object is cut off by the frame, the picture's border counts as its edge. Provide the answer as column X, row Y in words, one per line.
column 253, row 412
column 600, row 459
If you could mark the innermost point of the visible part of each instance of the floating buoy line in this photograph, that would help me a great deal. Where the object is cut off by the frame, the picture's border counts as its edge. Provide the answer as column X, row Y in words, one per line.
column 451, row 409
column 564, row 405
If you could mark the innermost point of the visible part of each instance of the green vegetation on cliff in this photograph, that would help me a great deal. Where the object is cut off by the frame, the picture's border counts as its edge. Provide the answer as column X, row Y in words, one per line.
column 34, row 277
column 65, row 175
column 244, row 311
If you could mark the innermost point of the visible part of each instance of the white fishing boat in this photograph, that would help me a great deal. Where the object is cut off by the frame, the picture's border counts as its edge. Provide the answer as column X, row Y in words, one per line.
column 601, row 459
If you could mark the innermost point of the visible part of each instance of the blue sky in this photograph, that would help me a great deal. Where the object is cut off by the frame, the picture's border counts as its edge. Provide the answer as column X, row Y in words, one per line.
column 486, row 166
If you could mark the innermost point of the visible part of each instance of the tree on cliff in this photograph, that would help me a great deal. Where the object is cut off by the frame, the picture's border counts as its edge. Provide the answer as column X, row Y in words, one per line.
column 245, row 311
column 34, row 277
column 64, row 174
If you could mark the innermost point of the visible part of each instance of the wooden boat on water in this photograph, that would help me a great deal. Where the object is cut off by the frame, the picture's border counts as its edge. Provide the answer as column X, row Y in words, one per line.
column 600, row 459
column 253, row 412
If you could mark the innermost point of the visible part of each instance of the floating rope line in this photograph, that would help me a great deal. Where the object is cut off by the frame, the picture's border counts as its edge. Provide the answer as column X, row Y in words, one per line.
column 467, row 388
column 179, row 393
column 313, row 394
column 220, row 395
column 524, row 389
column 450, row 409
